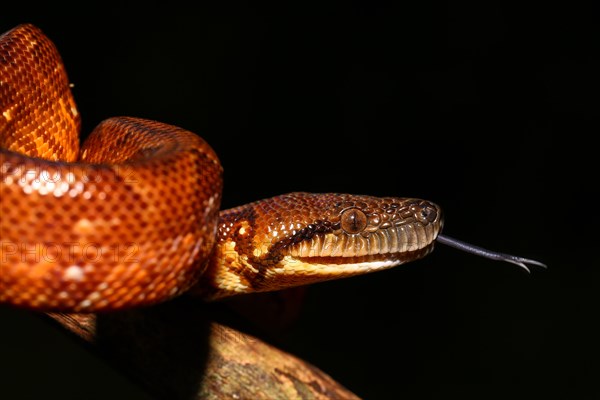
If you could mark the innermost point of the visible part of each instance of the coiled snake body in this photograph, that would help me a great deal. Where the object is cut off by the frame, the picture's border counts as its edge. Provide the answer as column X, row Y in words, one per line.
column 132, row 217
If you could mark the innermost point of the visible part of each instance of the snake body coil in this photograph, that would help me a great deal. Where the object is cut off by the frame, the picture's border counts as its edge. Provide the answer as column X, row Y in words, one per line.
column 132, row 218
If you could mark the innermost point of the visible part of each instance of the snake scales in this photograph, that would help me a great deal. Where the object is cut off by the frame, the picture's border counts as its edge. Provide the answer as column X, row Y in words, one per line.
column 132, row 217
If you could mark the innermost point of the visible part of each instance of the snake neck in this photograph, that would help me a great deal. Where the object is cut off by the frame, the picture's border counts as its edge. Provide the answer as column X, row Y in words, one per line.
column 241, row 261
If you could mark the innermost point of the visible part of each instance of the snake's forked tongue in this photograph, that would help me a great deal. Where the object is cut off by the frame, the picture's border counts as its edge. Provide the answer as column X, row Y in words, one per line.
column 492, row 255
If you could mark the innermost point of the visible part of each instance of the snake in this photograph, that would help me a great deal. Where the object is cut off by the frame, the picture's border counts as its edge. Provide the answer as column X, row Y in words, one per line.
column 131, row 217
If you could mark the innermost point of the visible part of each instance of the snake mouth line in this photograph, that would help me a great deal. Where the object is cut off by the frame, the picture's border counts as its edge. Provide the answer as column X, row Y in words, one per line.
column 323, row 268
column 389, row 258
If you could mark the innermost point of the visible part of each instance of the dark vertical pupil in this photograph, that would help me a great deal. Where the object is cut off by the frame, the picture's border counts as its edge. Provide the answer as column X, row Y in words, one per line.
column 353, row 221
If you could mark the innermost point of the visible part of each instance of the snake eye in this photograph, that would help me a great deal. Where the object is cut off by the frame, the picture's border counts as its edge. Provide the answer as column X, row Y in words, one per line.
column 353, row 220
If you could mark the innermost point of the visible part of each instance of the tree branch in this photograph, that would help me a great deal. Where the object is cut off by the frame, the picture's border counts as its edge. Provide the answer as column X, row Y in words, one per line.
column 176, row 352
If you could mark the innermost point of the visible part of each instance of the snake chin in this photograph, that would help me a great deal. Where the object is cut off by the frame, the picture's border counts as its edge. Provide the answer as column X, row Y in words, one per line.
column 337, row 267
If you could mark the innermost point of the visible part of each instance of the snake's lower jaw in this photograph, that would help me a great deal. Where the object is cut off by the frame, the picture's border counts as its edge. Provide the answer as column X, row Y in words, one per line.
column 330, row 257
column 242, row 277
column 315, row 269
column 337, row 256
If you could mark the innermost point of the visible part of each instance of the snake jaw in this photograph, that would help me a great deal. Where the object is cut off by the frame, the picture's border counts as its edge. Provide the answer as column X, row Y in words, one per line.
column 386, row 243
column 306, row 270
column 333, row 256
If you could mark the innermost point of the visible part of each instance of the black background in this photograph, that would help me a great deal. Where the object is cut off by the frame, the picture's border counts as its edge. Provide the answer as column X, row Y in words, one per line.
column 489, row 110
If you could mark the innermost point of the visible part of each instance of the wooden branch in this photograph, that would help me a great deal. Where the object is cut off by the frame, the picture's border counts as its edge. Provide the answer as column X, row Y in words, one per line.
column 176, row 352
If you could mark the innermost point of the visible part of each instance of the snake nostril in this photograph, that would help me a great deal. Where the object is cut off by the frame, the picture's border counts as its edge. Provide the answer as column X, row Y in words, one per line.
column 428, row 214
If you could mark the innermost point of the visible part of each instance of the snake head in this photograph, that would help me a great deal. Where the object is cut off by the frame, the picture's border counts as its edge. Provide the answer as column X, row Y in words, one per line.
column 343, row 228
column 301, row 238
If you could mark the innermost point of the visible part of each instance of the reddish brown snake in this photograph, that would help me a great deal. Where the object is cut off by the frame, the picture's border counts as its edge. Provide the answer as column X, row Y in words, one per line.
column 132, row 217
